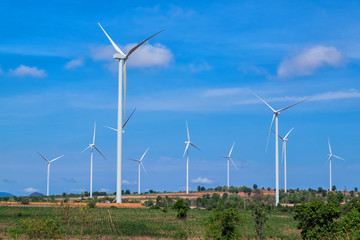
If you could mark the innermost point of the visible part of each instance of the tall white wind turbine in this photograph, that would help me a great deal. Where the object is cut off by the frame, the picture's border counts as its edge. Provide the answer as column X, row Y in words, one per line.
column 275, row 116
column 140, row 163
column 121, row 104
column 92, row 146
column 48, row 170
column 188, row 142
column 228, row 157
column 329, row 159
column 284, row 140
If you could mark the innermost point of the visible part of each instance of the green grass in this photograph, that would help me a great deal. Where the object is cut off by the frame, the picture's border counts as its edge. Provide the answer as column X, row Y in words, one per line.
column 141, row 222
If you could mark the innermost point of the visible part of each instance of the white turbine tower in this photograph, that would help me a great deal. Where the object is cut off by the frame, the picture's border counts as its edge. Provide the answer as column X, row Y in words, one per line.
column 140, row 163
column 188, row 142
column 121, row 105
column 48, row 170
column 275, row 116
column 92, row 146
column 284, row 140
column 329, row 159
column 228, row 157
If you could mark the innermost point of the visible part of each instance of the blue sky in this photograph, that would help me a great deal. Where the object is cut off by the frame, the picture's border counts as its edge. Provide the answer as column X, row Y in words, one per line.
column 58, row 77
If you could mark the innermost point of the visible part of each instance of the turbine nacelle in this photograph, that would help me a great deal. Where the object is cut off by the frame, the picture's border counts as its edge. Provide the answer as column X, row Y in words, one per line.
column 119, row 56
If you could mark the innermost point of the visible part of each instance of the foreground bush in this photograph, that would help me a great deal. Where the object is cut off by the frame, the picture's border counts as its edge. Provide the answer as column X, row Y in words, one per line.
column 182, row 208
column 41, row 228
column 316, row 220
column 222, row 224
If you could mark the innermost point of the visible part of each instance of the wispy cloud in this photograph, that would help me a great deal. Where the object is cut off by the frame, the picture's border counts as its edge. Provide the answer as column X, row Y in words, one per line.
column 309, row 60
column 202, row 180
column 69, row 180
column 30, row 190
column 126, row 182
column 23, row 71
column 146, row 56
column 78, row 62
column 104, row 190
column 6, row 180
column 200, row 66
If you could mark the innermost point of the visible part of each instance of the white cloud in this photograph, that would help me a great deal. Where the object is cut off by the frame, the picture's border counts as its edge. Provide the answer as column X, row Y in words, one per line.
column 104, row 190
column 199, row 67
column 146, row 56
column 30, row 190
column 309, row 60
column 23, row 71
column 126, row 182
column 74, row 63
column 202, row 180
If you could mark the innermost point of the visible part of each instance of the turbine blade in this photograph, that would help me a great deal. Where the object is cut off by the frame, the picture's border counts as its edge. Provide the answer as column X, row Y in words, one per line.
column 187, row 130
column 85, row 149
column 143, row 167
column 111, row 128
column 112, row 42
column 330, row 157
column 100, row 152
column 267, row 142
column 234, row 164
column 338, row 157
column 262, row 100
column 231, row 149
column 94, row 132
column 186, row 148
column 143, row 154
column 194, row 146
column 329, row 145
column 278, row 134
column 125, row 87
column 56, row 158
column 129, row 118
column 132, row 159
column 283, row 152
column 136, row 47
column 288, row 133
column 294, row 104
column 43, row 157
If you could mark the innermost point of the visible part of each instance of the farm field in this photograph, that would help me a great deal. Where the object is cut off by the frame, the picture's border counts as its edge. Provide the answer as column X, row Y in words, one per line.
column 143, row 223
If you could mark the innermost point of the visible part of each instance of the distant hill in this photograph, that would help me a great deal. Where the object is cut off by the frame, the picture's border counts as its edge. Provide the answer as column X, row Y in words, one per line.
column 5, row 194
column 36, row 194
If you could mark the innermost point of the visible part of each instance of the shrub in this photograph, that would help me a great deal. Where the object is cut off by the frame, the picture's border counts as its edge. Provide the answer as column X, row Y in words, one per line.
column 351, row 223
column 91, row 204
column 182, row 208
column 222, row 224
column 181, row 234
column 41, row 228
column 259, row 214
column 15, row 232
column 316, row 219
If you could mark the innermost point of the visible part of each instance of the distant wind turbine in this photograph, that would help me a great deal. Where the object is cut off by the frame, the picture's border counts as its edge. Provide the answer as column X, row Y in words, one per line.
column 123, row 126
column 228, row 157
column 140, row 163
column 48, row 170
column 284, row 140
column 188, row 142
column 329, row 159
column 275, row 116
column 92, row 146
column 121, row 105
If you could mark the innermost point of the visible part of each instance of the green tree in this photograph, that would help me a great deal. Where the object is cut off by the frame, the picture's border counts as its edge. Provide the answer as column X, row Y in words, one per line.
column 333, row 188
column 222, row 224
column 182, row 207
column 351, row 223
column 260, row 218
column 255, row 186
column 316, row 219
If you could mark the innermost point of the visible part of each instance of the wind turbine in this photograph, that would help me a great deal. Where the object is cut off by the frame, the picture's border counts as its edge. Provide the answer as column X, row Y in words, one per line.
column 284, row 140
column 228, row 157
column 329, row 159
column 188, row 142
column 140, row 163
column 275, row 116
column 48, row 170
column 121, row 105
column 92, row 146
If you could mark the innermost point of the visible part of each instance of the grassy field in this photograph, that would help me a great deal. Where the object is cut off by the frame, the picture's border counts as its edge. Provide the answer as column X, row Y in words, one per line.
column 127, row 223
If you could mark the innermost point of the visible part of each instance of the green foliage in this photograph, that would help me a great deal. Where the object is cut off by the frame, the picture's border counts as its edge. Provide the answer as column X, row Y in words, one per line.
column 335, row 198
column 255, row 186
column 41, row 228
column 260, row 218
column 181, row 234
column 333, row 188
column 15, row 232
column 149, row 203
column 351, row 223
column 91, row 204
column 316, row 219
column 182, row 207
column 222, row 224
